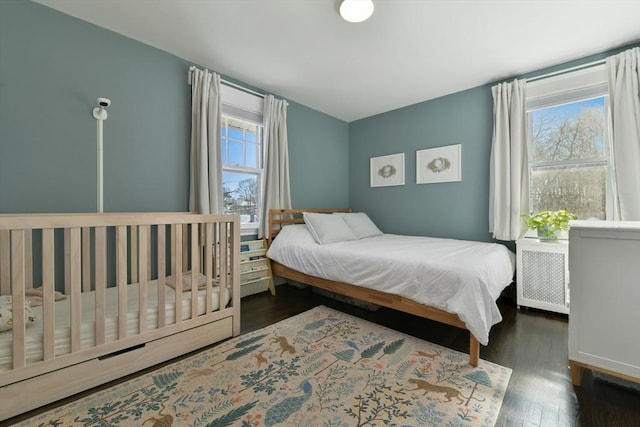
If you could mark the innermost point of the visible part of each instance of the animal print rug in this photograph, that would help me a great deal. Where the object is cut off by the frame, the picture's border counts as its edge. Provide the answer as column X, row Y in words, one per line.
column 319, row 368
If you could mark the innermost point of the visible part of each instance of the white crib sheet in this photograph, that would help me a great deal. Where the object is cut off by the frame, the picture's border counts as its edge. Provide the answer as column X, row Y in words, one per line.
column 34, row 346
column 457, row 276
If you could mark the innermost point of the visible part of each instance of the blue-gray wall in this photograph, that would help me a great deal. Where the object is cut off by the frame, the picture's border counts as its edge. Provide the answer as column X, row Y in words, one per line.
column 47, row 150
column 52, row 69
column 454, row 209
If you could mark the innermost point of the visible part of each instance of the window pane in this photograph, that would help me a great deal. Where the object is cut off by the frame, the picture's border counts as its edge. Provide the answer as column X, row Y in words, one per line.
column 250, row 135
column 235, row 133
column 240, row 195
column 569, row 131
column 581, row 189
column 241, row 144
column 225, row 149
column 252, row 156
column 235, row 154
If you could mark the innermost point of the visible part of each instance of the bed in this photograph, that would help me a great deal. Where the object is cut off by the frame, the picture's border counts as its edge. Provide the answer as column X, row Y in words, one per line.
column 451, row 281
column 94, row 297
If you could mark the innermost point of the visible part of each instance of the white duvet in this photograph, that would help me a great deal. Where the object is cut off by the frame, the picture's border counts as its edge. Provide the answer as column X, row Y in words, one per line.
column 457, row 276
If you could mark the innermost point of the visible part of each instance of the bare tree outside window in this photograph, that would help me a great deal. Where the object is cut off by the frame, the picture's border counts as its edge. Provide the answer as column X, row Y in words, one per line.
column 568, row 158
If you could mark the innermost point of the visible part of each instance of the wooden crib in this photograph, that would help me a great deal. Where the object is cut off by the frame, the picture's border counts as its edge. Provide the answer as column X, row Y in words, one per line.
column 118, row 293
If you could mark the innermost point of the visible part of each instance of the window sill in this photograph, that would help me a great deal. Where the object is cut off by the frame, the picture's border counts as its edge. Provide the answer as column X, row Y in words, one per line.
column 249, row 230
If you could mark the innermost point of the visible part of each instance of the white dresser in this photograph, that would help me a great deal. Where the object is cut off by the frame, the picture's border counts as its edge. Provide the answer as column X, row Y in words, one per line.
column 604, row 323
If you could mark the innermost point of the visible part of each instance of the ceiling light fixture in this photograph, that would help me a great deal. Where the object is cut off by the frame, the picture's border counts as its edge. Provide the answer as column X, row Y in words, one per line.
column 356, row 10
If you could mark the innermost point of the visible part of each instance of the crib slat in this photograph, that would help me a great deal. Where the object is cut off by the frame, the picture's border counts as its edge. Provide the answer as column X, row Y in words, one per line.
column 162, row 270
column 134, row 251
column 67, row 284
column 208, row 260
column 216, row 256
column 28, row 262
column 121, row 274
column 143, row 232
column 76, row 291
column 148, row 243
column 234, row 255
column 224, row 262
column 5, row 263
column 67, row 256
column 18, row 287
column 101, row 281
column 185, row 245
column 86, row 259
column 195, row 269
column 48, row 306
column 177, row 270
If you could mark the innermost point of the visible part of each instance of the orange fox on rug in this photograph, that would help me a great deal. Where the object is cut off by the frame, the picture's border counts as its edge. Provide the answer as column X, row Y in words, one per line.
column 319, row 368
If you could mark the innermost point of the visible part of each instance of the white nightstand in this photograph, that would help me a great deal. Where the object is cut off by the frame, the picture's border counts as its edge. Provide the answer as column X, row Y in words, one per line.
column 542, row 279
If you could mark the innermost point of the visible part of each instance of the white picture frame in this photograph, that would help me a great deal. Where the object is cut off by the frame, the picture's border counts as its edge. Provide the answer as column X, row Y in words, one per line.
column 387, row 171
column 441, row 164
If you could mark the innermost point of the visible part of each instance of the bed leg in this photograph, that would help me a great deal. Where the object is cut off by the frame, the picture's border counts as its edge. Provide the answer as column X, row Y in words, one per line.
column 474, row 350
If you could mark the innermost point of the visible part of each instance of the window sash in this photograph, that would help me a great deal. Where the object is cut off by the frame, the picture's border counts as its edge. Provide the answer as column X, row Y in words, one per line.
column 594, row 87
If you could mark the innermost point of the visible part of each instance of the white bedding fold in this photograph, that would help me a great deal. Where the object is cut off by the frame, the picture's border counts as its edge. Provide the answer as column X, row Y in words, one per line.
column 457, row 276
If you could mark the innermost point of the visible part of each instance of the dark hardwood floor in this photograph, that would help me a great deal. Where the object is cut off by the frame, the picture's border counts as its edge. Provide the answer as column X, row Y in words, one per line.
column 532, row 343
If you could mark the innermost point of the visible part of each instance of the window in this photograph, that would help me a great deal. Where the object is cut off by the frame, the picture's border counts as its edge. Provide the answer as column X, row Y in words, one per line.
column 241, row 168
column 568, row 144
column 242, row 155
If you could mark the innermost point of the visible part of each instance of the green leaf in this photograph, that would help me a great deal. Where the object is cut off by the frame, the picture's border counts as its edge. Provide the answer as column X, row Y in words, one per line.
column 480, row 377
column 249, row 341
column 164, row 380
column 230, row 417
column 393, row 347
column 244, row 351
column 345, row 355
column 319, row 323
column 371, row 351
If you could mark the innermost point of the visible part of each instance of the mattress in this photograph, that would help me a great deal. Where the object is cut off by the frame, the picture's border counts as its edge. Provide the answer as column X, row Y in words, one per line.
column 460, row 277
column 34, row 347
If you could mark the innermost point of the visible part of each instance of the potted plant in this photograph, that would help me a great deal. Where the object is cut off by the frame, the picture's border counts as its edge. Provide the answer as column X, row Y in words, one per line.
column 548, row 223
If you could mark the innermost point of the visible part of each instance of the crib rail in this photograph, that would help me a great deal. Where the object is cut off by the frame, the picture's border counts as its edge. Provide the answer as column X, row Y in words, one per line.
column 84, row 257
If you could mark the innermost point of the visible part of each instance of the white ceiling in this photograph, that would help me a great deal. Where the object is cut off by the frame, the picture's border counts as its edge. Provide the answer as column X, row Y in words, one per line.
column 409, row 51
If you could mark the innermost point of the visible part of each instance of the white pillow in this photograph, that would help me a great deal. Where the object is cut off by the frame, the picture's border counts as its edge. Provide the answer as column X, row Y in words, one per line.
column 6, row 313
column 360, row 224
column 327, row 228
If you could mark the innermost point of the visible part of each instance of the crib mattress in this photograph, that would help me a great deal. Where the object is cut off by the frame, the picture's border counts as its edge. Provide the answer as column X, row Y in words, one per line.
column 34, row 335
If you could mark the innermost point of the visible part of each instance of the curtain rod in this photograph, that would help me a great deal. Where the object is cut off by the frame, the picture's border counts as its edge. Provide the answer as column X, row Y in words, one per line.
column 566, row 70
column 242, row 88
column 228, row 83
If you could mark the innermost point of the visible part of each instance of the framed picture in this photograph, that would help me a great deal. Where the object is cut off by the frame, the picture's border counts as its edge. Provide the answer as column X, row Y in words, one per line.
column 387, row 170
column 442, row 164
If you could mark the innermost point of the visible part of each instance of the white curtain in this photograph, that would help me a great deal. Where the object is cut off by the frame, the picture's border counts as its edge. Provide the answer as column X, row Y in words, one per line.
column 624, row 99
column 276, row 189
column 205, row 180
column 508, row 176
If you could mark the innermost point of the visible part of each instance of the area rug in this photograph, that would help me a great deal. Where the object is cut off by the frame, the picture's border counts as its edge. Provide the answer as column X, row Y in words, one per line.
column 319, row 368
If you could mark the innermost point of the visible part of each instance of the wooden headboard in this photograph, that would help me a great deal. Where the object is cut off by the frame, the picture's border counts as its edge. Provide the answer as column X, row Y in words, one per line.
column 278, row 218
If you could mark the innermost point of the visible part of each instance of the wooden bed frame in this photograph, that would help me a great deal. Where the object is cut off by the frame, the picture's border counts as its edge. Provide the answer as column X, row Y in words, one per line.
column 131, row 248
column 282, row 217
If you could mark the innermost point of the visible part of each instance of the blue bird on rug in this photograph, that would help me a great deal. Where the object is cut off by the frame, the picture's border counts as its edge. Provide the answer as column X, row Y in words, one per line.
column 279, row 412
